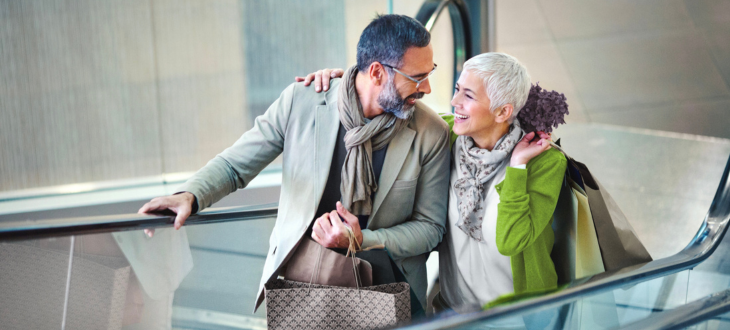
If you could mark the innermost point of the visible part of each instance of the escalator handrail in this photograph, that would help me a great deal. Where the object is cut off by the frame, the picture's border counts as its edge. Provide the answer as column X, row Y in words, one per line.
column 686, row 315
column 700, row 248
column 36, row 229
column 704, row 243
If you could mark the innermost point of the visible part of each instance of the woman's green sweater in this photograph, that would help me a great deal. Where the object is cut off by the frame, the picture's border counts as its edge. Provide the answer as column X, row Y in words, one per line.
column 524, row 218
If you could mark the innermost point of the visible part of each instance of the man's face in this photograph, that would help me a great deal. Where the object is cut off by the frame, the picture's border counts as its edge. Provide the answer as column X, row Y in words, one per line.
column 399, row 95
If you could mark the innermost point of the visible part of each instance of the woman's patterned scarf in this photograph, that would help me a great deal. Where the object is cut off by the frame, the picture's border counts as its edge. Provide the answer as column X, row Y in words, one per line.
column 475, row 168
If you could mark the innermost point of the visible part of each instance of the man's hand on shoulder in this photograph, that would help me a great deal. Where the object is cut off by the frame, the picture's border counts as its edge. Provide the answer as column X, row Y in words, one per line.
column 180, row 204
column 321, row 78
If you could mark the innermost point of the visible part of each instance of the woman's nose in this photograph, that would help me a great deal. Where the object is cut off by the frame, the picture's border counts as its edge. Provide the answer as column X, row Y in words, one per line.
column 454, row 100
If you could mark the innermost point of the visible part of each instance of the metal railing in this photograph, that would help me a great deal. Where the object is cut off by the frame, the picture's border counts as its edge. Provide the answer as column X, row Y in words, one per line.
column 704, row 243
column 36, row 229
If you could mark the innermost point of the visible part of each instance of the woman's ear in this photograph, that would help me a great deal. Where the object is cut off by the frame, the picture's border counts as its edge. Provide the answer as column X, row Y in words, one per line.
column 504, row 113
column 377, row 74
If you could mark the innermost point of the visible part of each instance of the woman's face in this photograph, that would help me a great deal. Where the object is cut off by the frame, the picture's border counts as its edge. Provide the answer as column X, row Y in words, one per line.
column 471, row 106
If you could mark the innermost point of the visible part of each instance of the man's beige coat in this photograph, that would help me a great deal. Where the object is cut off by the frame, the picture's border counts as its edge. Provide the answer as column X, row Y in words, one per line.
column 409, row 210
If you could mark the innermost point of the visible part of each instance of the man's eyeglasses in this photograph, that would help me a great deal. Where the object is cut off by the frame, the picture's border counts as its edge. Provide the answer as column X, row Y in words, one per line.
column 417, row 81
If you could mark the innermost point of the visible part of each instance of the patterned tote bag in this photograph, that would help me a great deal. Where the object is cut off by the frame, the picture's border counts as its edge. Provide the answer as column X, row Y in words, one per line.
column 301, row 305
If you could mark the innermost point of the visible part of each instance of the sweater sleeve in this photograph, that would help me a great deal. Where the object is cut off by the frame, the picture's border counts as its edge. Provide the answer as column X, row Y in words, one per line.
column 527, row 201
column 449, row 119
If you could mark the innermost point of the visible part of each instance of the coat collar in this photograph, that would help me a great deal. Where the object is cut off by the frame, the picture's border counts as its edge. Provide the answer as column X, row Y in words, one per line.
column 328, row 123
column 398, row 150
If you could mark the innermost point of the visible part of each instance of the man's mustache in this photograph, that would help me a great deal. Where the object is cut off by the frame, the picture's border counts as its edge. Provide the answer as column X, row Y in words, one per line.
column 417, row 95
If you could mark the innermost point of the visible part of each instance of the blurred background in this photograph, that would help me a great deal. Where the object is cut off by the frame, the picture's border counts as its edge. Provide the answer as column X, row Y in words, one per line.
column 106, row 104
column 138, row 94
column 97, row 91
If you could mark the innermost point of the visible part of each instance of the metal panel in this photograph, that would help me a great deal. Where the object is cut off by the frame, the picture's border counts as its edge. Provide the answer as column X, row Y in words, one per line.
column 76, row 93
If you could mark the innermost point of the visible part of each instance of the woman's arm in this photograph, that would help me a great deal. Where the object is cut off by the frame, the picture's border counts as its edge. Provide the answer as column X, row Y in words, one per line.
column 527, row 201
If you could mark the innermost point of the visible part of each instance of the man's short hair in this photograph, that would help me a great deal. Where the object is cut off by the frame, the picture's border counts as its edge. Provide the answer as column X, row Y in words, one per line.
column 386, row 39
column 505, row 79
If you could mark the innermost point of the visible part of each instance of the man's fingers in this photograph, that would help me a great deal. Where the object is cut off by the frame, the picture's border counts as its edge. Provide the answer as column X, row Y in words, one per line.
column 308, row 80
column 318, row 81
column 335, row 219
column 341, row 209
column 317, row 238
column 182, row 214
column 149, row 232
column 348, row 217
column 336, row 73
column 298, row 79
column 324, row 222
column 326, row 79
column 317, row 229
column 151, row 206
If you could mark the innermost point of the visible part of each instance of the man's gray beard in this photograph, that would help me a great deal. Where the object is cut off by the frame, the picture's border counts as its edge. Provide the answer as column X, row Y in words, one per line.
column 391, row 102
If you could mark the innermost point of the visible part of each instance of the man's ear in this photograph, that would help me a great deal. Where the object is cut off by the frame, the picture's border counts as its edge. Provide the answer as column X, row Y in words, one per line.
column 377, row 74
column 504, row 113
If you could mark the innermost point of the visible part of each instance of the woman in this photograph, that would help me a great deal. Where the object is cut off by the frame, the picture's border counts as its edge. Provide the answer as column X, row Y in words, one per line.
column 503, row 189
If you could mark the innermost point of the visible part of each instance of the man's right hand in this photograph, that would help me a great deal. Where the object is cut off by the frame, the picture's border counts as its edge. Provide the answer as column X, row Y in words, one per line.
column 181, row 204
column 321, row 78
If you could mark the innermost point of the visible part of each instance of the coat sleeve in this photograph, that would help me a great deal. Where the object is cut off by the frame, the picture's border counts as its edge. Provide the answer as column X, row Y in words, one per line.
column 235, row 167
column 527, row 201
column 424, row 230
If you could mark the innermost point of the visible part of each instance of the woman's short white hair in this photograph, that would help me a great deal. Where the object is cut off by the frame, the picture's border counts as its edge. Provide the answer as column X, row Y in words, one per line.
column 505, row 79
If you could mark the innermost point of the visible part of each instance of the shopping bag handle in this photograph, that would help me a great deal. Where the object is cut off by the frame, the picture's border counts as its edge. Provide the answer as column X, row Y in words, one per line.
column 582, row 168
column 352, row 248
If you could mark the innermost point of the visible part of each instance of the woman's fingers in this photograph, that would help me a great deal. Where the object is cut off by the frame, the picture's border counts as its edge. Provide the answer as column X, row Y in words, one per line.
column 528, row 137
column 544, row 135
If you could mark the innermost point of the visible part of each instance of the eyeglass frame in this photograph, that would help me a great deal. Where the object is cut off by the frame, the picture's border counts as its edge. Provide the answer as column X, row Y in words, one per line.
column 418, row 82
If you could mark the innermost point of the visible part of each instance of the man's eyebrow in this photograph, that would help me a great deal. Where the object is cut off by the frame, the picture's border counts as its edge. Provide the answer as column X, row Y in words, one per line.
column 423, row 74
column 420, row 75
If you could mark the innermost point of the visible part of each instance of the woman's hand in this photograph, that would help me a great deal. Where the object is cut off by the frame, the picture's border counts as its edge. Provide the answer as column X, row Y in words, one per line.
column 321, row 78
column 527, row 149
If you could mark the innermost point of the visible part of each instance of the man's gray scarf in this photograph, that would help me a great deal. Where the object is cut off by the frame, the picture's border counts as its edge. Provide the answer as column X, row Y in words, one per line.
column 475, row 169
column 358, row 178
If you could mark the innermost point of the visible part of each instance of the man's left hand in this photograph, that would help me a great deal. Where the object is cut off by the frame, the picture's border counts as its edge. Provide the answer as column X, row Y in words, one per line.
column 329, row 229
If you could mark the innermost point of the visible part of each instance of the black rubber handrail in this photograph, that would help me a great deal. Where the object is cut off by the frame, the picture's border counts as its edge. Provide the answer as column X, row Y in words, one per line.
column 704, row 243
column 36, row 229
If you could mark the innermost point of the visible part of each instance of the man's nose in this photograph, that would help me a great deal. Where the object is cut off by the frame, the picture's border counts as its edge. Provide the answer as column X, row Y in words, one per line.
column 425, row 87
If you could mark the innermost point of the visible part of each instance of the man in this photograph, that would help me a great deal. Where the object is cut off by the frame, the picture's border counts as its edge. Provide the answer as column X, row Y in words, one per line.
column 366, row 142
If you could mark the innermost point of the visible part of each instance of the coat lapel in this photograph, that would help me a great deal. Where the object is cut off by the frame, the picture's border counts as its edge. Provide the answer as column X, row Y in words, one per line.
column 326, row 126
column 395, row 157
